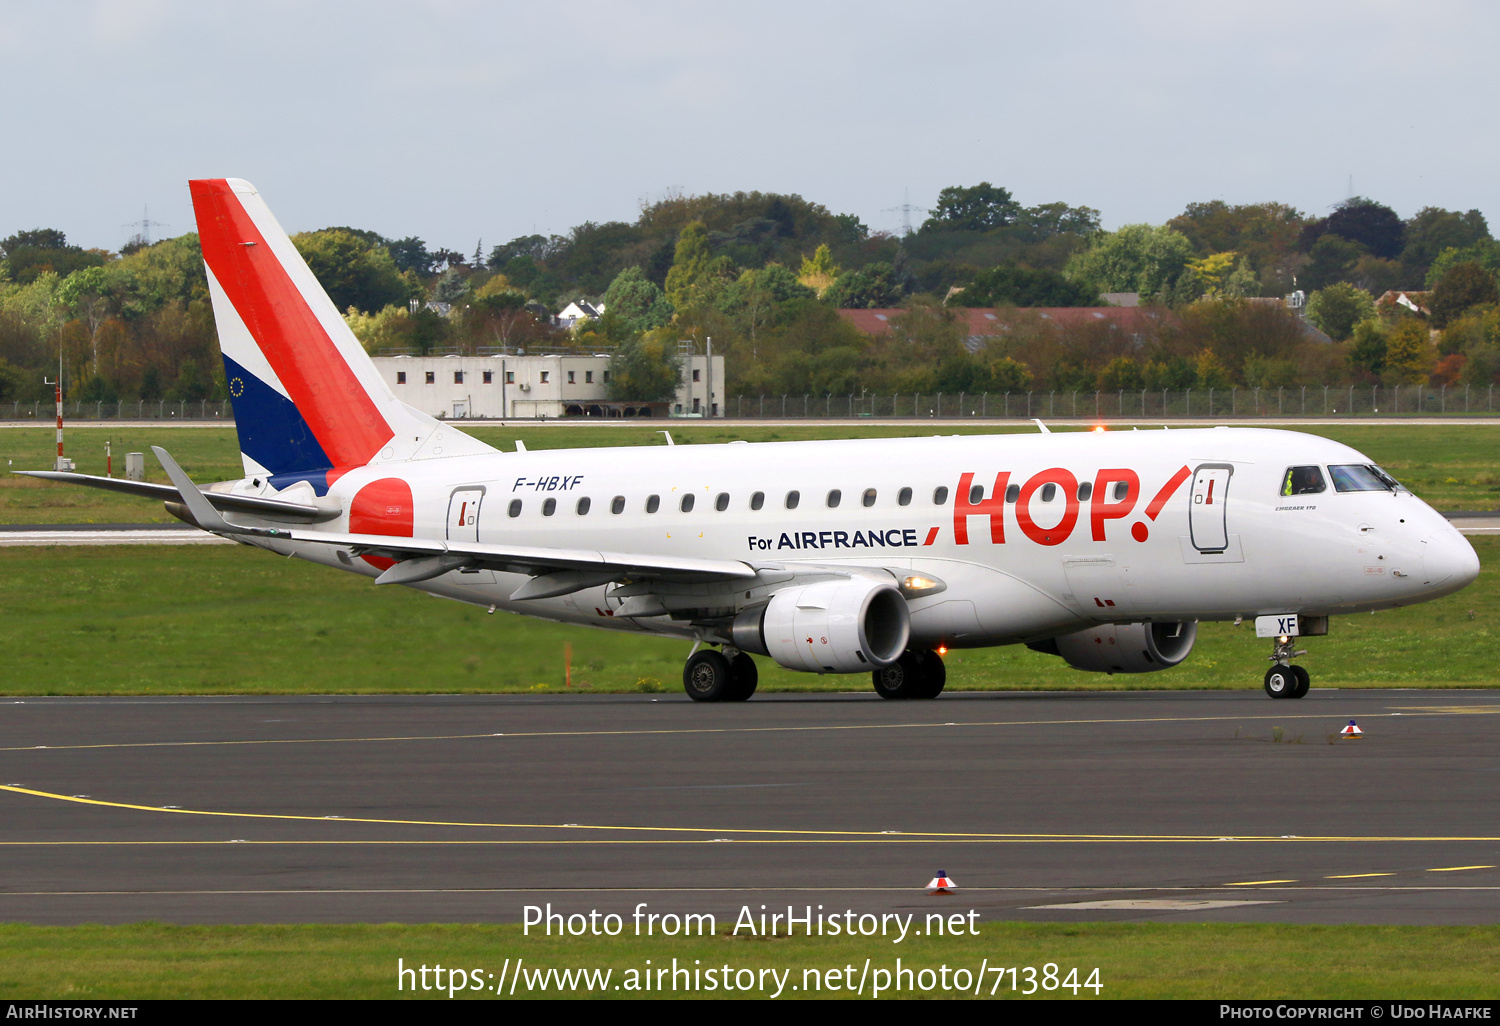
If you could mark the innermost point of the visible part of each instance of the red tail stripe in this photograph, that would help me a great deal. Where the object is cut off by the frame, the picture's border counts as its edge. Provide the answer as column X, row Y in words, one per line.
column 343, row 418
column 1166, row 492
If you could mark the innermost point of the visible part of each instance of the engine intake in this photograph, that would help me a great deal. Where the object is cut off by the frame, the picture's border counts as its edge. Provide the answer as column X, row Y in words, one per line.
column 1125, row 647
column 828, row 627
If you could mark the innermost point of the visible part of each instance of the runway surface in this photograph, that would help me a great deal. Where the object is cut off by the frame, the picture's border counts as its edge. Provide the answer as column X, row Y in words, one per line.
column 1221, row 806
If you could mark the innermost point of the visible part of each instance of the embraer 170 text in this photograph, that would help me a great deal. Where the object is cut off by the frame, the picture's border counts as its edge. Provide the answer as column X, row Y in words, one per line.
column 863, row 556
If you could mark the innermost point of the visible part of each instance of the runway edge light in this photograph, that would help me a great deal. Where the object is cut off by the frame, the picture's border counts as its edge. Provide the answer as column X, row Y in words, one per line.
column 1351, row 731
column 940, row 884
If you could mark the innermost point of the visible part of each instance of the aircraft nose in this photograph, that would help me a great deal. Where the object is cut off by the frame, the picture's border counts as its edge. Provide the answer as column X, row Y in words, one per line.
column 1449, row 561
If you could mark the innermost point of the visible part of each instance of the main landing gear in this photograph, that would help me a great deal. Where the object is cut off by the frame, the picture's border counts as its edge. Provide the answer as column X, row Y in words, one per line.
column 711, row 676
column 1283, row 680
column 919, row 673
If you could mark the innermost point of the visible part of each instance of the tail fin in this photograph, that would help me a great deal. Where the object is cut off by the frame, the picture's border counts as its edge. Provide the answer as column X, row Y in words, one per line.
column 308, row 403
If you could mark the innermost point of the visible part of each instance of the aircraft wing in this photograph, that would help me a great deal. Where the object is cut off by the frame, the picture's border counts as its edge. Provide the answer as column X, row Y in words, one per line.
column 276, row 508
column 420, row 559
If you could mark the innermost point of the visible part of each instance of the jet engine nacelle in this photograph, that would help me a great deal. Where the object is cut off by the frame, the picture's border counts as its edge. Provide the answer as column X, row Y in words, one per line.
column 828, row 627
column 1124, row 647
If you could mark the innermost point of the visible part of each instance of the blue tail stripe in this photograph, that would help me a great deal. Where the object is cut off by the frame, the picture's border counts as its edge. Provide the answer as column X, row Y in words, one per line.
column 272, row 432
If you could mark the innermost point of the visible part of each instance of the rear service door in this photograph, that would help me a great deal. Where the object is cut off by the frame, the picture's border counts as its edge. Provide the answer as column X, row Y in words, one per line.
column 463, row 526
column 1207, row 517
column 463, row 514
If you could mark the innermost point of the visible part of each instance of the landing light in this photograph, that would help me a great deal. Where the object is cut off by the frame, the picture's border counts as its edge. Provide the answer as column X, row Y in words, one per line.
column 1098, row 429
column 915, row 585
column 942, row 650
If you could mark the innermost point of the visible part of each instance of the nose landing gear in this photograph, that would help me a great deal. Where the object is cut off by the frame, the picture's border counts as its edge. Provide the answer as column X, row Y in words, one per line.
column 1284, row 680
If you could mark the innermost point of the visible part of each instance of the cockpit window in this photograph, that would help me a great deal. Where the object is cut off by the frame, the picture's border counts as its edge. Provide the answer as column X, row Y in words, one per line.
column 1303, row 481
column 1355, row 477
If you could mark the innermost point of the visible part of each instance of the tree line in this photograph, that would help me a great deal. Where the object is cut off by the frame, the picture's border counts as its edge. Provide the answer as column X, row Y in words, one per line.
column 764, row 275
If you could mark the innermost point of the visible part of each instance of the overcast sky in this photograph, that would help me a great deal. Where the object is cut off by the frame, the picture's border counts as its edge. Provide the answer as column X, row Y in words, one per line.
column 455, row 120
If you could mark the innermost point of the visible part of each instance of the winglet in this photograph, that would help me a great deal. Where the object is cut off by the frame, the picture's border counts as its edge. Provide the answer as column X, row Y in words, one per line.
column 204, row 515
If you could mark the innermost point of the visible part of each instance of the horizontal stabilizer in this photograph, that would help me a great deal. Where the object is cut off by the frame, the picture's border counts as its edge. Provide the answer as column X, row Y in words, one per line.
column 275, row 509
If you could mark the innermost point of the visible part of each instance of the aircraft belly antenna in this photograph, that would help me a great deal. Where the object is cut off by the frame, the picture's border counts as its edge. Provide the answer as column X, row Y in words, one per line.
column 1038, row 422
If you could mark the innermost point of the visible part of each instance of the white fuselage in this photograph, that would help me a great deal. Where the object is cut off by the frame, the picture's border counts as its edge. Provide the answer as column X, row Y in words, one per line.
column 1224, row 542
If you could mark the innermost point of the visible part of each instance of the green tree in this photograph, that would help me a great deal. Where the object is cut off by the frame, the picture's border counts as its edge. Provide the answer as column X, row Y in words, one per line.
column 1409, row 355
column 690, row 266
column 1136, row 258
column 977, row 208
column 644, row 369
column 637, row 301
column 1432, row 230
column 872, row 288
column 1463, row 286
column 1333, row 258
column 1008, row 374
column 1485, row 253
column 1014, row 285
column 1211, row 371
column 351, row 270
column 1373, row 225
column 1338, row 308
column 1367, row 347
column 1122, row 373
column 819, row 272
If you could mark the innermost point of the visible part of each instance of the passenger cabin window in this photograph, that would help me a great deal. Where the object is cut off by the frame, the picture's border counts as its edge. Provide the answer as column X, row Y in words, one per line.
column 401, row 377
column 940, row 496
column 549, row 507
column 1303, row 481
column 976, row 495
column 903, row 497
column 1354, row 477
column 1085, row 489
column 1013, row 494
column 653, row 503
column 834, row 498
column 757, row 500
column 792, row 498
column 1122, row 489
column 617, row 504
column 583, row 505
column 1049, row 492
column 868, row 499
column 722, row 502
column 515, row 507
column 687, row 503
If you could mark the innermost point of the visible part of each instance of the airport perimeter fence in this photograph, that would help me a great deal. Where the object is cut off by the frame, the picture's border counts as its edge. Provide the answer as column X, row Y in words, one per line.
column 1297, row 401
column 46, row 412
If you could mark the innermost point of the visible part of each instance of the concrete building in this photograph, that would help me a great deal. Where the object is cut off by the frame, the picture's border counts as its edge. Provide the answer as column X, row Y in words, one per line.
column 506, row 387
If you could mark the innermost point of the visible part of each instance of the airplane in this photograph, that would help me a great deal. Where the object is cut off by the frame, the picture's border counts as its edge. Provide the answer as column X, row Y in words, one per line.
column 1104, row 548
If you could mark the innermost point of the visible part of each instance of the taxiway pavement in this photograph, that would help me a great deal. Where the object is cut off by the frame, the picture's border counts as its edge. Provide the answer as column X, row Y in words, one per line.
column 1206, row 806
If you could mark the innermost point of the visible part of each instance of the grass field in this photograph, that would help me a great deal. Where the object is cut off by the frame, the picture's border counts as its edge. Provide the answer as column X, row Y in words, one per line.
column 1452, row 467
column 1179, row 960
column 222, row 620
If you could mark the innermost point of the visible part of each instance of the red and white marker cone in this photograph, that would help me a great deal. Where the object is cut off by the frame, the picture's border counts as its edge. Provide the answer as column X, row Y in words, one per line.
column 1351, row 731
column 940, row 884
